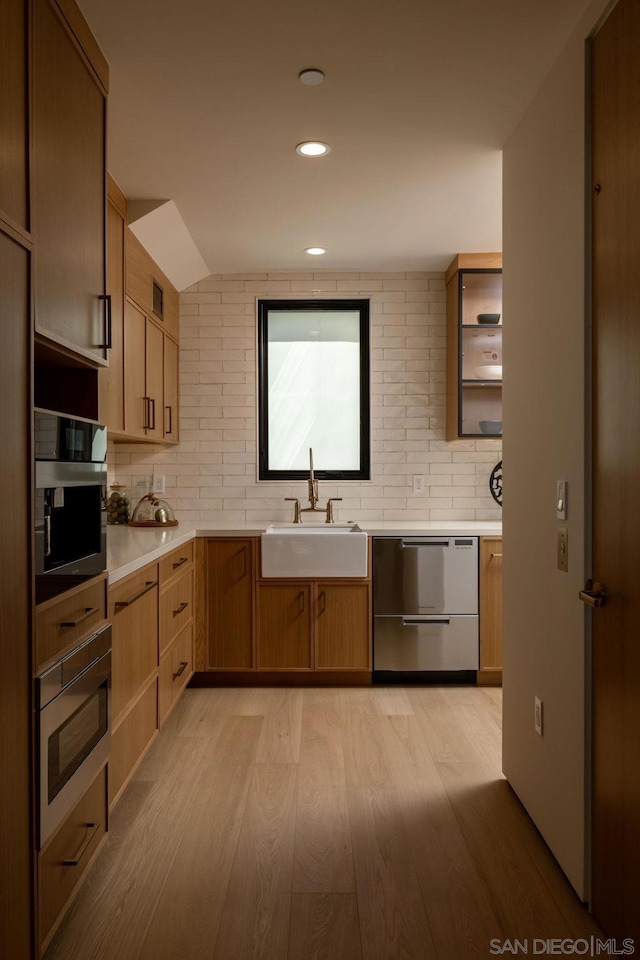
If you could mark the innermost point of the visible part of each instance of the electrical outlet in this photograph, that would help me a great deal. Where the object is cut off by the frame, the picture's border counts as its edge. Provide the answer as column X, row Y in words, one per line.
column 418, row 483
column 537, row 716
column 158, row 483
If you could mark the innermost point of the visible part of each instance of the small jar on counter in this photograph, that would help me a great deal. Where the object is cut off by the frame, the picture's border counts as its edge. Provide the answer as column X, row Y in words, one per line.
column 118, row 504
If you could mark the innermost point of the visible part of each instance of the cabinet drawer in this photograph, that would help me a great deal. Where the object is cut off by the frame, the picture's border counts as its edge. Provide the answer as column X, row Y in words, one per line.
column 133, row 606
column 176, row 668
column 131, row 739
column 62, row 862
column 176, row 609
column 176, row 562
column 61, row 624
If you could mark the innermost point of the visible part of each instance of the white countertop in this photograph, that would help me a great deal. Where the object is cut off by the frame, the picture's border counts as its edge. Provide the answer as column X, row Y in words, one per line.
column 130, row 548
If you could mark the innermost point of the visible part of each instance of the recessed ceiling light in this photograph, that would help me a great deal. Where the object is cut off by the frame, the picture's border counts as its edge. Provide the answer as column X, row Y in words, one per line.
column 313, row 148
column 315, row 251
column 311, row 77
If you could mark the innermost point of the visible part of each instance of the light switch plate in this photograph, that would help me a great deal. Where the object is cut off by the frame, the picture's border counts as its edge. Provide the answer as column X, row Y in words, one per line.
column 563, row 549
column 561, row 500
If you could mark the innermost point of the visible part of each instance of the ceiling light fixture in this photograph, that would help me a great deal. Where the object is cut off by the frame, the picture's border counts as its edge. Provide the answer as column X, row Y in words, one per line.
column 313, row 148
column 311, row 77
column 315, row 251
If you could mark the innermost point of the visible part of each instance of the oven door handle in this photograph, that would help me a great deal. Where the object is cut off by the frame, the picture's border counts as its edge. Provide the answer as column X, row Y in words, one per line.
column 92, row 828
column 149, row 585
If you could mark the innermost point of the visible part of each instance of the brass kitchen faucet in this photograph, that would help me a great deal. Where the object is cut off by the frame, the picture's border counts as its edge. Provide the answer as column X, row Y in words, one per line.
column 312, row 485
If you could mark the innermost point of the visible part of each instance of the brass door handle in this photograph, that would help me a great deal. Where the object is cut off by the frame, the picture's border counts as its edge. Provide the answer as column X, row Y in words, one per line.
column 495, row 555
column 594, row 594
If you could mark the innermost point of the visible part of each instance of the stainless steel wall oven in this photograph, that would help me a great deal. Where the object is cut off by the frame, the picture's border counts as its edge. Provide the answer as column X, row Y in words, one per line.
column 70, row 480
column 74, row 727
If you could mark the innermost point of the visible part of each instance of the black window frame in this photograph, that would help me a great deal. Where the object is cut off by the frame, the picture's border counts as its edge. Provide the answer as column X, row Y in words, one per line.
column 338, row 305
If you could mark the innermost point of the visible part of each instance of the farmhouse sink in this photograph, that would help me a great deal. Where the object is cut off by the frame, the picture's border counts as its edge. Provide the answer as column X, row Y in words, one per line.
column 325, row 550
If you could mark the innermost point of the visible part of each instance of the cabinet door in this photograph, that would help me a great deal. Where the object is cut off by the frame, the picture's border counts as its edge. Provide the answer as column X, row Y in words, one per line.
column 112, row 377
column 154, row 377
column 229, row 589
column 68, row 189
column 14, row 114
column 490, row 610
column 343, row 626
column 15, row 600
column 133, row 608
column 284, row 626
column 136, row 408
column 171, row 431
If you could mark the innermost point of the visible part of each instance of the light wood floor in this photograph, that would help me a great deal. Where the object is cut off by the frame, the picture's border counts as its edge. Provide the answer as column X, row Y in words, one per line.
column 321, row 824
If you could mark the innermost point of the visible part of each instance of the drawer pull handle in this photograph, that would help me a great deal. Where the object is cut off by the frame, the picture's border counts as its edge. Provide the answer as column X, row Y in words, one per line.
column 183, row 606
column 181, row 669
column 495, row 555
column 179, row 562
column 88, row 611
column 149, row 585
column 91, row 832
column 417, row 622
column 322, row 602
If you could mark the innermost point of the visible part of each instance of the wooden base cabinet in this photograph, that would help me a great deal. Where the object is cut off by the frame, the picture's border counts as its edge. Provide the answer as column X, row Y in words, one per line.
column 284, row 626
column 343, row 631
column 490, row 671
column 314, row 625
column 229, row 589
column 64, row 859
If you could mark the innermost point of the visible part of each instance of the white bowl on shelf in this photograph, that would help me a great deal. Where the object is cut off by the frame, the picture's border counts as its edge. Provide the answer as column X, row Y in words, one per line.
column 489, row 371
column 490, row 427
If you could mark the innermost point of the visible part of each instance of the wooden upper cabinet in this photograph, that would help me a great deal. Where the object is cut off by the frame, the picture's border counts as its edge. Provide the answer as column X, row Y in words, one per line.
column 136, row 410
column 148, row 286
column 171, row 411
column 14, row 162
column 154, row 369
column 474, row 346
column 143, row 376
column 69, row 183
column 112, row 377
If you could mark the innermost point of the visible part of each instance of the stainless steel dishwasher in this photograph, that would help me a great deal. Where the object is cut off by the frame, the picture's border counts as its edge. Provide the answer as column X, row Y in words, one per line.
column 425, row 607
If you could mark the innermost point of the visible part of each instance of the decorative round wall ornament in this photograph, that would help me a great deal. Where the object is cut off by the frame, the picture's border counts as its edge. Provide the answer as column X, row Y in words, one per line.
column 495, row 483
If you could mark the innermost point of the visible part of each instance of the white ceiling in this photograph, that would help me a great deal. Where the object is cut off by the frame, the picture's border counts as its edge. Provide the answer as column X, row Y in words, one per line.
column 206, row 109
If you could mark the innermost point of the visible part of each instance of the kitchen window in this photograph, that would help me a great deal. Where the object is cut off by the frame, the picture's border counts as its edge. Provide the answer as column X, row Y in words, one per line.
column 313, row 389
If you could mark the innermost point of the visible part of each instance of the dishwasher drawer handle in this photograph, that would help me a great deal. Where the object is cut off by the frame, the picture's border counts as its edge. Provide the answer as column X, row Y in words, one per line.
column 149, row 585
column 417, row 622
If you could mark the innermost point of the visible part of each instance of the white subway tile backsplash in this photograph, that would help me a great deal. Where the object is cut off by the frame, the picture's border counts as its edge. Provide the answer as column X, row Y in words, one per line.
column 211, row 474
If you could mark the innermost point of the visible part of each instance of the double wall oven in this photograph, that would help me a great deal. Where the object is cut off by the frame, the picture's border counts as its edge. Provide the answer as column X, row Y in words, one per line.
column 73, row 691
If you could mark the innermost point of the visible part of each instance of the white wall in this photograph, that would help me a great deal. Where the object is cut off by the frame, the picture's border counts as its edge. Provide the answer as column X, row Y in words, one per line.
column 211, row 475
column 544, row 414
